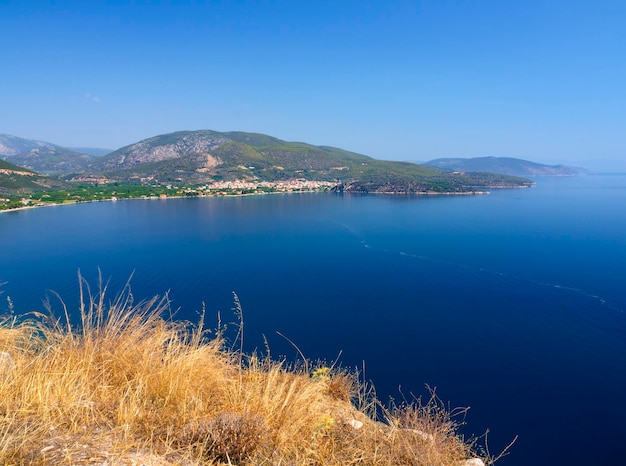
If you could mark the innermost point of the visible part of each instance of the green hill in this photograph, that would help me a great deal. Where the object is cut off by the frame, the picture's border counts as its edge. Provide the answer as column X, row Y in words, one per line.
column 205, row 156
column 18, row 180
column 4, row 165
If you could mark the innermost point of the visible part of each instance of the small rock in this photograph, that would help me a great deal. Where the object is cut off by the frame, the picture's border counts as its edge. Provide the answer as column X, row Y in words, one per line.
column 473, row 462
column 6, row 363
column 355, row 424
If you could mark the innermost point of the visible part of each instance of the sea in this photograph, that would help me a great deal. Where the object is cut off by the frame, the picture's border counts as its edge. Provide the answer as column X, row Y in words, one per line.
column 511, row 304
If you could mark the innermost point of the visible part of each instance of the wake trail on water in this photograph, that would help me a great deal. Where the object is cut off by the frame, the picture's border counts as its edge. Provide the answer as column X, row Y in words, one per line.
column 509, row 276
column 584, row 293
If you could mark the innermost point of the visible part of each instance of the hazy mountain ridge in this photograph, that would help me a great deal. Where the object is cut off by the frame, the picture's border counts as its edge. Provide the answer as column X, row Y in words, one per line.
column 52, row 160
column 505, row 165
column 41, row 156
column 13, row 145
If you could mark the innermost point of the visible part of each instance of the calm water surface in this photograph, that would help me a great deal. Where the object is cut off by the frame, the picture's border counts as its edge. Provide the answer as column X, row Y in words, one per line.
column 510, row 303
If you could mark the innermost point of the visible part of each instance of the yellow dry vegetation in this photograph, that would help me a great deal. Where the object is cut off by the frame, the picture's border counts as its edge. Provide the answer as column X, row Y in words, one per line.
column 128, row 387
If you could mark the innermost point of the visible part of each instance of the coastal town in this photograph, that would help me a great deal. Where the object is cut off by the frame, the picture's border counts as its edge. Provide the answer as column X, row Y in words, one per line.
column 296, row 185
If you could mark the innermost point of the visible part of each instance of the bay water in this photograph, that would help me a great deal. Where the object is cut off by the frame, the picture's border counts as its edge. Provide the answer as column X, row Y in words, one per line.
column 510, row 303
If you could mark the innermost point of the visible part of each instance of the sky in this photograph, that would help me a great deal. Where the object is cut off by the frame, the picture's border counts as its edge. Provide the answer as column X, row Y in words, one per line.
column 401, row 80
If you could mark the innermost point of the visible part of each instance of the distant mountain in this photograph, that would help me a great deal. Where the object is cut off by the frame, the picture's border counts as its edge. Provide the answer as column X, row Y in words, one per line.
column 96, row 152
column 505, row 165
column 12, row 145
column 16, row 180
column 205, row 156
column 42, row 157
column 52, row 160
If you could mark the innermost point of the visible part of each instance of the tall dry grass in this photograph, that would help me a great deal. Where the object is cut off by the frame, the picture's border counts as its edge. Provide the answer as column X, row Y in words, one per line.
column 128, row 387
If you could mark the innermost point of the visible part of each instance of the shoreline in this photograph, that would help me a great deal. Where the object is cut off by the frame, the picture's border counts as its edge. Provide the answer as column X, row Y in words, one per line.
column 429, row 193
column 152, row 198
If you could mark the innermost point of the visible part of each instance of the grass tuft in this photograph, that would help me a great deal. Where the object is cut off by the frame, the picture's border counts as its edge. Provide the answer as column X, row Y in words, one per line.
column 127, row 386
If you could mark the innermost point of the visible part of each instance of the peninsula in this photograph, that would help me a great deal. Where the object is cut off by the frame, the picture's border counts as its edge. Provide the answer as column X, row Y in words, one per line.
column 205, row 162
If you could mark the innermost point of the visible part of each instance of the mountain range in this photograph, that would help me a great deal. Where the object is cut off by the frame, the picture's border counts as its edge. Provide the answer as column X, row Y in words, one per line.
column 42, row 157
column 506, row 166
column 204, row 156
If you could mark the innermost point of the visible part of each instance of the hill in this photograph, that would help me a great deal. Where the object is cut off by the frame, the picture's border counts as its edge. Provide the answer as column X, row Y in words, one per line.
column 13, row 145
column 205, row 156
column 52, row 160
column 208, row 155
column 505, row 165
column 19, row 180
column 42, row 157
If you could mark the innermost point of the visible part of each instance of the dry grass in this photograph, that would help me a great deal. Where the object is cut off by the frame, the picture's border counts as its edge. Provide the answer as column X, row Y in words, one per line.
column 128, row 387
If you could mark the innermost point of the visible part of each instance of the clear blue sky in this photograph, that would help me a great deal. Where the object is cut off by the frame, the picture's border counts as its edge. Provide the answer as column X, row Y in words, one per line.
column 406, row 80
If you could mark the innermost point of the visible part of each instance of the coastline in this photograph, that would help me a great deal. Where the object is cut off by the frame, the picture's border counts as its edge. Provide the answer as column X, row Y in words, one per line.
column 155, row 198
column 151, row 198
column 209, row 194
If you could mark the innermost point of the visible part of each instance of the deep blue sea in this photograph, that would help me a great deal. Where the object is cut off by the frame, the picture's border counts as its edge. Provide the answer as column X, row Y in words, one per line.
column 510, row 303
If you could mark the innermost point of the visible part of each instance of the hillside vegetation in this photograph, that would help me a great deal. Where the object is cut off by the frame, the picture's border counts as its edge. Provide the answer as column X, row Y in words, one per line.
column 127, row 387
column 205, row 156
column 52, row 160
column 14, row 179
